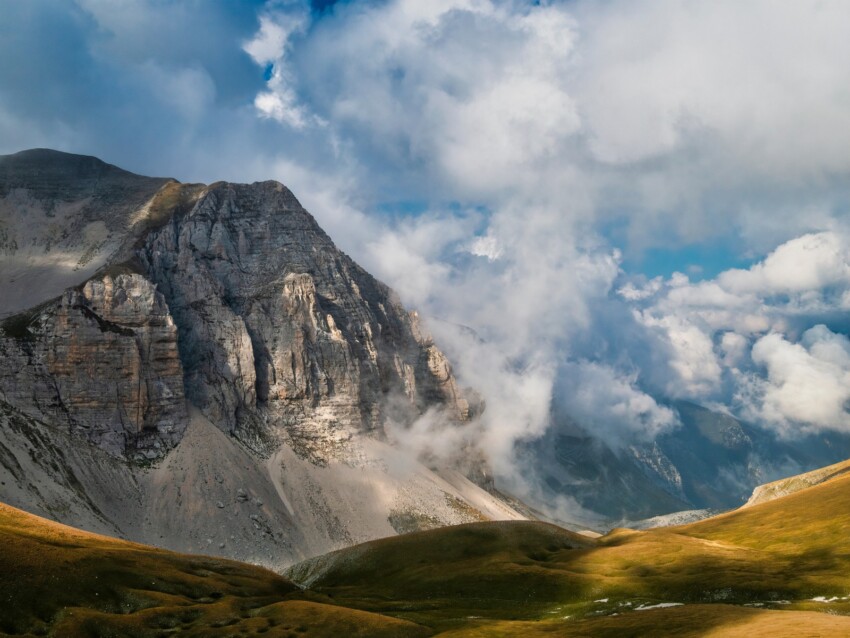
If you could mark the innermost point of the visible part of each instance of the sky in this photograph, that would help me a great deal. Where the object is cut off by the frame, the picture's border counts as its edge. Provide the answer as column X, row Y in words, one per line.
column 629, row 202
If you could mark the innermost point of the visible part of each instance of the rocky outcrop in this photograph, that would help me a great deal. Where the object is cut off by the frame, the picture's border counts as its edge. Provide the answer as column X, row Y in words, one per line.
column 792, row 484
column 103, row 362
column 282, row 332
column 231, row 298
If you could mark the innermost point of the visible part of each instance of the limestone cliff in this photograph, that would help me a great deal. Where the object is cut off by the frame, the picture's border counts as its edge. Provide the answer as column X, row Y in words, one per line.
column 103, row 362
column 159, row 313
column 280, row 331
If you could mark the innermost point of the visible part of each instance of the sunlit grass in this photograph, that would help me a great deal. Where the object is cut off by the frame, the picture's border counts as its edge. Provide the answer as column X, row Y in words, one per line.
column 767, row 570
column 64, row 582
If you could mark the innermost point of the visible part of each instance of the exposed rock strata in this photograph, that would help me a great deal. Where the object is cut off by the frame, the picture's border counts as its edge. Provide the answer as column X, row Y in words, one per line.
column 280, row 330
column 281, row 337
column 103, row 362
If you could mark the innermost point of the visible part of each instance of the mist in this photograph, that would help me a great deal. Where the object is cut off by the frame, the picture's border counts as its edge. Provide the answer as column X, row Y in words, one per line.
column 509, row 167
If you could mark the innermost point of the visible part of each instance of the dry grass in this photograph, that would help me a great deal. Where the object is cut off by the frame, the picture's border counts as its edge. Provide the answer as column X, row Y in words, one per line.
column 690, row 621
column 479, row 579
column 64, row 582
column 777, row 555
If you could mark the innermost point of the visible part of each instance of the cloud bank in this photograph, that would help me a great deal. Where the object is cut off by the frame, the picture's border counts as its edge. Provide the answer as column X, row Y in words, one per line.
column 507, row 166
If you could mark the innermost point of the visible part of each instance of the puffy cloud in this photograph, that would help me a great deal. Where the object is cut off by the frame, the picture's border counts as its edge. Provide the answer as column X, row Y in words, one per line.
column 536, row 140
column 807, row 385
column 269, row 48
column 752, row 339
column 609, row 405
column 804, row 264
column 734, row 349
column 694, row 362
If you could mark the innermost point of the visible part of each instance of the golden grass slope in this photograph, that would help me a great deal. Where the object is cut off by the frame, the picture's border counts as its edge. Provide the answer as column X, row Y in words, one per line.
column 732, row 573
column 771, row 569
column 690, row 621
column 786, row 486
column 55, row 580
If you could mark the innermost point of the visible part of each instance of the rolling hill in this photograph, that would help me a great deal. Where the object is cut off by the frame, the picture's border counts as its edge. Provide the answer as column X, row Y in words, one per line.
column 763, row 569
column 64, row 582
column 770, row 569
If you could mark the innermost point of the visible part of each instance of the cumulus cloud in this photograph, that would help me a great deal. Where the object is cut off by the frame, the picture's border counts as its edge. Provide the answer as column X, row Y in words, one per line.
column 542, row 145
column 752, row 338
column 807, row 385
column 804, row 264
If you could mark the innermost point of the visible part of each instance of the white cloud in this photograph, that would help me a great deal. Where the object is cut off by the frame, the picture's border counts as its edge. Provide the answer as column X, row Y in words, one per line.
column 270, row 46
column 803, row 264
column 660, row 72
column 734, row 349
column 750, row 337
column 807, row 385
column 697, row 372
column 270, row 43
column 487, row 246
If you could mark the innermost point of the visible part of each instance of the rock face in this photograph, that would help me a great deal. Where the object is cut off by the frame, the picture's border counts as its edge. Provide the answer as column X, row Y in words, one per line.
column 103, row 362
column 279, row 334
column 279, row 330
column 215, row 338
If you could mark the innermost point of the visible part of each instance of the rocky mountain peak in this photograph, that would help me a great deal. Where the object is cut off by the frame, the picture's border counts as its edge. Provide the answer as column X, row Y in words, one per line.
column 228, row 296
column 216, row 338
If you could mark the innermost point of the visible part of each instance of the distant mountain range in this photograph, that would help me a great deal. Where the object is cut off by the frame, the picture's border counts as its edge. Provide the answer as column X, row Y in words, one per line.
column 711, row 463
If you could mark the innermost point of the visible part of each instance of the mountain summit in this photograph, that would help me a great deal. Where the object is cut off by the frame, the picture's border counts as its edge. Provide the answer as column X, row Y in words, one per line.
column 215, row 338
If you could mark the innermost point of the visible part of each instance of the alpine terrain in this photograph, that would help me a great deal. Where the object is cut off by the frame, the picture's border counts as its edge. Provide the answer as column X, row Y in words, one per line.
column 198, row 367
column 778, row 568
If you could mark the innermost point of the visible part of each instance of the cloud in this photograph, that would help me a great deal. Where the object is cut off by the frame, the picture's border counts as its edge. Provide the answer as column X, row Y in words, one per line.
column 537, row 144
column 608, row 405
column 806, row 263
column 752, row 339
column 807, row 385
column 269, row 47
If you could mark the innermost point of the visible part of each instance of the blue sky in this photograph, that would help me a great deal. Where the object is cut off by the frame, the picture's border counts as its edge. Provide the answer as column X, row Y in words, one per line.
column 150, row 87
column 539, row 171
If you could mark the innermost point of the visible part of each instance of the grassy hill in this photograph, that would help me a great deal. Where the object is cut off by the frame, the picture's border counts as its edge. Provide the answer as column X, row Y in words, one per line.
column 60, row 581
column 771, row 569
column 791, row 554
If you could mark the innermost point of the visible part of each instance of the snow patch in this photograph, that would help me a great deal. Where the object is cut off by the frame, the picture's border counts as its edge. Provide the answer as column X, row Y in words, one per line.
column 658, row 606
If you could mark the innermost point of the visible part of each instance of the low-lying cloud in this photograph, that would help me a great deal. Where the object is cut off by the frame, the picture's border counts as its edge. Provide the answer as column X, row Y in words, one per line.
column 504, row 165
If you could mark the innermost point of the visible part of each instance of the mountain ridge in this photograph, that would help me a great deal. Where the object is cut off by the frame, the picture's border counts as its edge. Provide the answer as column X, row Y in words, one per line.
column 189, row 307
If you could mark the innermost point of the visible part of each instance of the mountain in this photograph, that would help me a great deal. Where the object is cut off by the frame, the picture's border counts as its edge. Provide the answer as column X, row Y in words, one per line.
column 711, row 462
column 199, row 367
